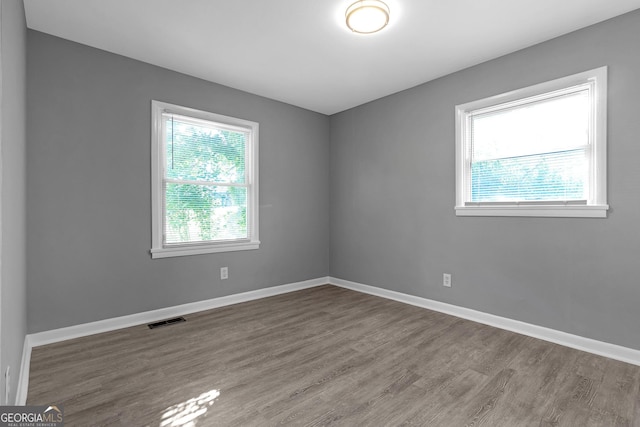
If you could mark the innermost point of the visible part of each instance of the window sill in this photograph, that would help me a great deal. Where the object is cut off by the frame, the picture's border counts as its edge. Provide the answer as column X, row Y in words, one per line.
column 168, row 252
column 591, row 211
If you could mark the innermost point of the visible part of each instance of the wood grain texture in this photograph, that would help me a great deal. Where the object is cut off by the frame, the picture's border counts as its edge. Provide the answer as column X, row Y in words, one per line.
column 330, row 356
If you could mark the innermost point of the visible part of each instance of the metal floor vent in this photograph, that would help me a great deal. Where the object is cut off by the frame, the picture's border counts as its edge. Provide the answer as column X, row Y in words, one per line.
column 166, row 322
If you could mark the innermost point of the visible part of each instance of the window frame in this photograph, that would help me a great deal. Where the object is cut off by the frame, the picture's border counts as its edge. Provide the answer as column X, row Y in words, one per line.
column 596, row 205
column 158, row 140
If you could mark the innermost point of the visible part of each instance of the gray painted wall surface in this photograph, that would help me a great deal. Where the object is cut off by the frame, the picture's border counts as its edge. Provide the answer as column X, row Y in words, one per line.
column 89, row 202
column 384, row 171
column 14, row 140
column 393, row 193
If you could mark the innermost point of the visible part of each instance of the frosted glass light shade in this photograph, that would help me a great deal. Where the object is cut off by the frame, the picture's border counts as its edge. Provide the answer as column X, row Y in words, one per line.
column 367, row 16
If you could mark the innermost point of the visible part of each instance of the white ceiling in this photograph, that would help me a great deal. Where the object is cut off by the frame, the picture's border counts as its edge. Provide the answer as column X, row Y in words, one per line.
column 300, row 52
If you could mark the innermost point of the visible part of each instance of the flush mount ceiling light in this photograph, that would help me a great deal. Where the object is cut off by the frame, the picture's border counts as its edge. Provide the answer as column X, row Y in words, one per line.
column 367, row 16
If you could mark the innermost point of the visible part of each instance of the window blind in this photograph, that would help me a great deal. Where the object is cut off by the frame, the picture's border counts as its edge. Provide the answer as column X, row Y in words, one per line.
column 205, row 181
column 537, row 150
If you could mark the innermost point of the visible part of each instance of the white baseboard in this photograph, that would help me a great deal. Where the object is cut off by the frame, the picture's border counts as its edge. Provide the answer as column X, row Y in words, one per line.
column 23, row 379
column 589, row 345
column 85, row 329
column 82, row 330
column 600, row 348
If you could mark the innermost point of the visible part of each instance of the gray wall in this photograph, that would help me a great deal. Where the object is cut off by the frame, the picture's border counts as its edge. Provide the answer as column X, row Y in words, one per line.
column 13, row 146
column 384, row 171
column 392, row 187
column 88, row 189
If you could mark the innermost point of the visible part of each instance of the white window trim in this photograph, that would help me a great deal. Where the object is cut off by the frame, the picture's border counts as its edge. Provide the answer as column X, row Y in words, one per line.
column 596, row 206
column 158, row 249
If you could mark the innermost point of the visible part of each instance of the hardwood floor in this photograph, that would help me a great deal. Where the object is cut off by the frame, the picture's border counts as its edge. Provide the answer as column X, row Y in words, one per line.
column 330, row 356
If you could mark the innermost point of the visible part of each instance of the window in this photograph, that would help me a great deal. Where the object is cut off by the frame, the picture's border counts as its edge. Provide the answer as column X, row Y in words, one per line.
column 204, row 182
column 537, row 151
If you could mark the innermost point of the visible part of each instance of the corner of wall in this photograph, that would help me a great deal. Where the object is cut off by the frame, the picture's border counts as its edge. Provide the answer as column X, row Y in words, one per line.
column 13, row 321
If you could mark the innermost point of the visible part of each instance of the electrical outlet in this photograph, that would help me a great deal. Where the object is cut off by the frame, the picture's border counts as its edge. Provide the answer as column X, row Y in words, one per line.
column 446, row 280
column 7, row 384
column 224, row 273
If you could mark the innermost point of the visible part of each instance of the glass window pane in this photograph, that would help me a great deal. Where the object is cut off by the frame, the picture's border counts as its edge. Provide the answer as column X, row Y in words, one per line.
column 201, row 213
column 532, row 152
column 204, row 153
column 554, row 124
column 550, row 176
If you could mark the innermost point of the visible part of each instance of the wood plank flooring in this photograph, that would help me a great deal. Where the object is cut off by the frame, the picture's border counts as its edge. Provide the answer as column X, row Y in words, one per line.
column 329, row 356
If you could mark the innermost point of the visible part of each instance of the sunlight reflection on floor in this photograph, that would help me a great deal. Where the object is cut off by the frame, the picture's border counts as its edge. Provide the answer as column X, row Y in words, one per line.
column 185, row 414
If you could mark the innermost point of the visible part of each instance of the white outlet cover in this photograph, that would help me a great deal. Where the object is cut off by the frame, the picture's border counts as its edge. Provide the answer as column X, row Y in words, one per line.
column 446, row 280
